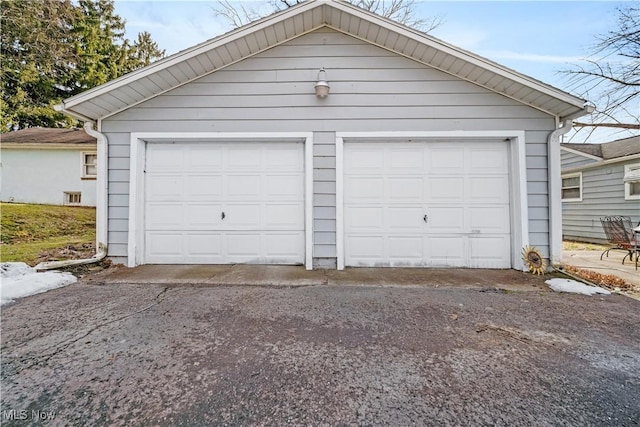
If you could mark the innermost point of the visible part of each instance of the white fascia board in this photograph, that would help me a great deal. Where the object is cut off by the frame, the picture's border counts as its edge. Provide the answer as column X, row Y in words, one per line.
column 339, row 203
column 601, row 163
column 580, row 153
column 308, row 201
column 186, row 54
column 432, row 134
column 208, row 136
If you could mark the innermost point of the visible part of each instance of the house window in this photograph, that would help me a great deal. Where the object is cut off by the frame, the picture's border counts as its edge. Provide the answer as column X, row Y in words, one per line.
column 89, row 168
column 72, row 197
column 632, row 182
column 572, row 187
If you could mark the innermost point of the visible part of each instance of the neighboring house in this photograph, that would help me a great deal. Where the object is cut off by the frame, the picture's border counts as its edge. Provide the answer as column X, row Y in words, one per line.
column 422, row 154
column 49, row 166
column 599, row 180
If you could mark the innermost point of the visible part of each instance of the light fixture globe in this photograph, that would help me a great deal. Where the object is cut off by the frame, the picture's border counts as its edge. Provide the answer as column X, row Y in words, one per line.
column 322, row 86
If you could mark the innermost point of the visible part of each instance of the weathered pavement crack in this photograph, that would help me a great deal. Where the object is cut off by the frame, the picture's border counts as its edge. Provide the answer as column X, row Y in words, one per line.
column 66, row 344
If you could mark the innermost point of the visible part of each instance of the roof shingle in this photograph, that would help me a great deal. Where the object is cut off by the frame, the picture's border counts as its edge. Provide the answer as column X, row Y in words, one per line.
column 39, row 135
column 609, row 150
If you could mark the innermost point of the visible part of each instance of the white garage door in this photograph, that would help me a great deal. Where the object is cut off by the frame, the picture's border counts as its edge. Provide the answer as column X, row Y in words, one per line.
column 221, row 203
column 427, row 204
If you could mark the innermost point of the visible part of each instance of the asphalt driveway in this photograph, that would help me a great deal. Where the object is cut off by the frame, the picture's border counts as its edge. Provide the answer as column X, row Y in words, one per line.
column 502, row 350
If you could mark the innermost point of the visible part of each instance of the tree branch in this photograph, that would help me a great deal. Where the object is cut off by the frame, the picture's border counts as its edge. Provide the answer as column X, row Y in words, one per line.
column 608, row 125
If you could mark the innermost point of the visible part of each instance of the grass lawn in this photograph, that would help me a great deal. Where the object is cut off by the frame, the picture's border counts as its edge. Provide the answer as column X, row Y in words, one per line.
column 35, row 233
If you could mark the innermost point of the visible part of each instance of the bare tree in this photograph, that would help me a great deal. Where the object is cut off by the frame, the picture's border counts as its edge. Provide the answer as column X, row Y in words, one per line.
column 611, row 75
column 239, row 13
column 402, row 11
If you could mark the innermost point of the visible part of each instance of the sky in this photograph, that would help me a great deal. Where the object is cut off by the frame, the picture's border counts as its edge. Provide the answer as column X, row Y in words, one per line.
column 536, row 38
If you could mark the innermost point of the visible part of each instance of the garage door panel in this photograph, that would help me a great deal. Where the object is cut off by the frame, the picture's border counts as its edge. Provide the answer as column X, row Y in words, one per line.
column 207, row 158
column 162, row 244
column 489, row 219
column 361, row 219
column 444, row 190
column 406, row 218
column 283, row 247
column 287, row 216
column 489, row 251
column 245, row 187
column 405, row 160
column 446, row 219
column 364, row 189
column 283, row 159
column 361, row 160
column 487, row 190
column 488, row 160
column 165, row 158
column 206, row 217
column 165, row 187
column 406, row 249
column 203, row 244
column 284, row 187
column 444, row 159
column 164, row 215
column 406, row 189
column 447, row 251
column 243, row 157
column 242, row 245
column 365, row 248
column 203, row 187
column 242, row 216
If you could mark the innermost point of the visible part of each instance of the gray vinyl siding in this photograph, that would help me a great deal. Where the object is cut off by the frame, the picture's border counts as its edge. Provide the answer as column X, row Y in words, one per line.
column 372, row 90
column 324, row 199
column 572, row 160
column 602, row 195
column 538, row 190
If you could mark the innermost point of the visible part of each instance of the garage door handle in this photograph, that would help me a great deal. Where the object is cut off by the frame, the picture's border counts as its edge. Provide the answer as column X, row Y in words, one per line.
column 223, row 215
column 425, row 218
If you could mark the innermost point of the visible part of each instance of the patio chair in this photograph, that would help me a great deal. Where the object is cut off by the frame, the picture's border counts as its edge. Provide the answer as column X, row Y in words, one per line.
column 621, row 236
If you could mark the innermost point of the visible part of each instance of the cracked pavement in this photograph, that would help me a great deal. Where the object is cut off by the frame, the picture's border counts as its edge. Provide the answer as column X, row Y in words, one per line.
column 103, row 353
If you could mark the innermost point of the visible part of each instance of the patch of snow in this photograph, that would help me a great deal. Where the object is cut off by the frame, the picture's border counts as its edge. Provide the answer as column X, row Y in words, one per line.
column 18, row 280
column 574, row 287
column 13, row 269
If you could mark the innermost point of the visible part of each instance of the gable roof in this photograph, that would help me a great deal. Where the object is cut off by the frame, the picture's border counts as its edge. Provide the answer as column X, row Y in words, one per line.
column 47, row 136
column 609, row 150
column 220, row 52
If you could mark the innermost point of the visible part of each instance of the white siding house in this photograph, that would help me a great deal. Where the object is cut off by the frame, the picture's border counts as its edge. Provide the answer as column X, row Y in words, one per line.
column 422, row 154
column 48, row 166
column 599, row 180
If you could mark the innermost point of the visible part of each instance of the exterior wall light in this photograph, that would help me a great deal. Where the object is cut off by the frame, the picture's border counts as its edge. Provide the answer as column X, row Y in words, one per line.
column 322, row 86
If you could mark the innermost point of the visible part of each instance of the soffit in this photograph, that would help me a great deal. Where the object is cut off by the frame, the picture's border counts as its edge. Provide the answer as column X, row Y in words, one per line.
column 220, row 52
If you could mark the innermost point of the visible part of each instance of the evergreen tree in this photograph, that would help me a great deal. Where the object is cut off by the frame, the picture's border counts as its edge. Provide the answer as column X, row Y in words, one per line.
column 53, row 49
column 35, row 59
column 143, row 52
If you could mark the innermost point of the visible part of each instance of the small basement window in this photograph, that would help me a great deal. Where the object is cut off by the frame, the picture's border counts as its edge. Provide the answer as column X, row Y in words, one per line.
column 572, row 187
column 632, row 182
column 72, row 198
column 89, row 165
